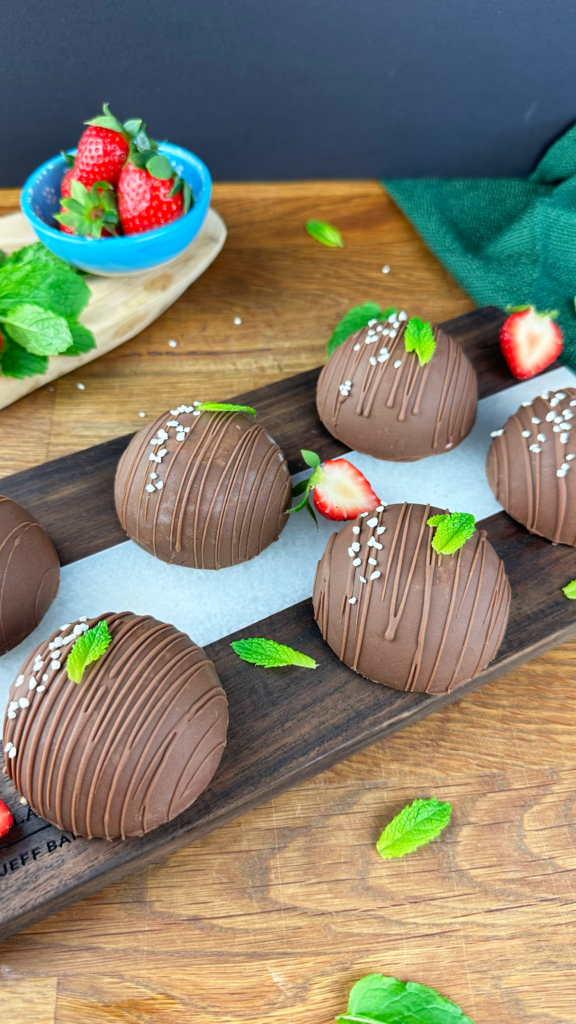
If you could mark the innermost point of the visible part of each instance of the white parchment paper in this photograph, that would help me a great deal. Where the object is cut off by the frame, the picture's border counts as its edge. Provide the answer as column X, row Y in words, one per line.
column 208, row 605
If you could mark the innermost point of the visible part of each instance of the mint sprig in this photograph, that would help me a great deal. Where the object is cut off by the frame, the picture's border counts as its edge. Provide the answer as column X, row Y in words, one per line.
column 354, row 320
column 570, row 590
column 419, row 338
column 376, row 999
column 270, row 654
column 452, row 531
column 415, row 825
column 224, row 407
column 89, row 647
column 325, row 233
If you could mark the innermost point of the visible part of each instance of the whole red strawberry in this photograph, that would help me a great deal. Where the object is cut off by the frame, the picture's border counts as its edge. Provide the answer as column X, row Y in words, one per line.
column 150, row 192
column 6, row 819
column 102, row 150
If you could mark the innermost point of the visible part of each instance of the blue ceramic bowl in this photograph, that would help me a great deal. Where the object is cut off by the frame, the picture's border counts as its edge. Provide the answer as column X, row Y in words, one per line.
column 129, row 254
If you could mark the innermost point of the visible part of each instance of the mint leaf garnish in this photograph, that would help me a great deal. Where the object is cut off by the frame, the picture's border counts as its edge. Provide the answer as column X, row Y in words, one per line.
column 270, row 654
column 16, row 362
column 325, row 233
column 452, row 531
column 224, row 407
column 38, row 330
column 570, row 590
column 89, row 647
column 416, row 824
column 82, row 339
column 419, row 338
column 376, row 999
column 354, row 320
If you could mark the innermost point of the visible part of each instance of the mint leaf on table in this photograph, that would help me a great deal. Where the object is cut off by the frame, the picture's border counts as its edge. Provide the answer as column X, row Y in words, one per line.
column 354, row 320
column 82, row 339
column 16, row 362
column 376, row 999
column 38, row 330
column 320, row 231
column 224, row 407
column 415, row 825
column 419, row 338
column 270, row 654
column 453, row 529
column 89, row 647
column 570, row 590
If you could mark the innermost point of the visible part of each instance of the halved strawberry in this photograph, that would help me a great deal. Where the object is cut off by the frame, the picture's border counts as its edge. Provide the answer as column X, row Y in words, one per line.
column 340, row 490
column 6, row 819
column 530, row 341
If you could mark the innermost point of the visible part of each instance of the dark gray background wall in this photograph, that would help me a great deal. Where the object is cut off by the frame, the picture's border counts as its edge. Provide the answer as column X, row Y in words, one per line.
column 266, row 89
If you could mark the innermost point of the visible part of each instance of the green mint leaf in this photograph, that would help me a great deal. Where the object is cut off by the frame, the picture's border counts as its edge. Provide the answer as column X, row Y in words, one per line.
column 270, row 654
column 38, row 330
column 570, row 590
column 354, row 320
column 224, row 407
column 82, row 339
column 415, row 825
column 376, row 998
column 89, row 647
column 44, row 285
column 419, row 338
column 310, row 458
column 452, row 531
column 325, row 233
column 16, row 362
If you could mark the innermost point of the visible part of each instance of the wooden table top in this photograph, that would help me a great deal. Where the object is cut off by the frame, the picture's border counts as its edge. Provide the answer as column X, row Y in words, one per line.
column 271, row 919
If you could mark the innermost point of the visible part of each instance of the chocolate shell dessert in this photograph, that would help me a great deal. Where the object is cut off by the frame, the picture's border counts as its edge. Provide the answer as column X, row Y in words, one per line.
column 205, row 489
column 399, row 613
column 29, row 574
column 530, row 466
column 380, row 399
column 114, row 725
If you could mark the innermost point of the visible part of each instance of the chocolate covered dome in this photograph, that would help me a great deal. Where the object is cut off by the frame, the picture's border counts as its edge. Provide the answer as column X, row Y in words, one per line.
column 530, row 466
column 203, row 489
column 375, row 396
column 29, row 574
column 400, row 614
column 130, row 746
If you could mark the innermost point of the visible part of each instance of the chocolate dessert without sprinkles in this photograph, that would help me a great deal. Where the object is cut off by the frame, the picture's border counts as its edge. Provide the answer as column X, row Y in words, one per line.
column 114, row 725
column 29, row 574
column 203, row 486
column 398, row 390
column 412, row 597
column 531, row 469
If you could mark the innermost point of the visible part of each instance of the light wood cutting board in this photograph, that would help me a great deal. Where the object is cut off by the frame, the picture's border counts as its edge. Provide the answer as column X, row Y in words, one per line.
column 120, row 307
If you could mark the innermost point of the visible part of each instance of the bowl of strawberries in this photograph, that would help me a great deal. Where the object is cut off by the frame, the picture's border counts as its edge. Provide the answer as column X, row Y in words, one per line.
column 120, row 203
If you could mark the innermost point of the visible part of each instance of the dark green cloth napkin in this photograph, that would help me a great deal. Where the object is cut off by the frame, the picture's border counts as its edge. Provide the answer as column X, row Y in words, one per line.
column 507, row 241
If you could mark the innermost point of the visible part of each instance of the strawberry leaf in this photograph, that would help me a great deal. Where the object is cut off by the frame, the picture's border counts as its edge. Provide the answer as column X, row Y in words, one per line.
column 419, row 338
column 415, row 825
column 160, row 167
column 452, row 531
column 107, row 120
column 89, row 647
column 325, row 233
column 270, row 654
column 310, row 458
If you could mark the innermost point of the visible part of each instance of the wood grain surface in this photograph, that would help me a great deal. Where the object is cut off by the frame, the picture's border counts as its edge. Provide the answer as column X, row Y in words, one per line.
column 272, row 917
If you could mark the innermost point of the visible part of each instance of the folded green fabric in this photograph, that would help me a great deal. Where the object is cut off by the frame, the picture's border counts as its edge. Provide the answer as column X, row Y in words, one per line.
column 507, row 241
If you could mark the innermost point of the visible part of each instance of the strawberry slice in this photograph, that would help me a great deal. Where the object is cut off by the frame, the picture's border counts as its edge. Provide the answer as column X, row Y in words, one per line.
column 340, row 491
column 530, row 341
column 6, row 819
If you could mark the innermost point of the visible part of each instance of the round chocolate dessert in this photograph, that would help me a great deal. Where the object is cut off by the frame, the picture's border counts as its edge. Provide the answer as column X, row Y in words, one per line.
column 398, row 613
column 128, row 746
column 203, row 489
column 29, row 574
column 378, row 398
column 530, row 466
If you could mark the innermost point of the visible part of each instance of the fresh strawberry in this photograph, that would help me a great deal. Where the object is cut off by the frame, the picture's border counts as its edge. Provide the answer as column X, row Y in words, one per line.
column 66, row 183
column 91, row 214
column 530, row 341
column 150, row 192
column 103, row 149
column 340, row 491
column 6, row 819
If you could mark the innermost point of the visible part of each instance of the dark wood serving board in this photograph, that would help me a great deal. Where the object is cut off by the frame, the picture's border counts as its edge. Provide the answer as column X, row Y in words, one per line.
column 285, row 725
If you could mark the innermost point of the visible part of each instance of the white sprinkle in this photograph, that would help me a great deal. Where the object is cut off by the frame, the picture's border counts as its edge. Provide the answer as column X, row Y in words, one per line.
column 560, row 394
column 357, row 349
column 564, row 438
column 569, row 456
column 550, row 416
column 8, row 746
column 402, row 315
column 565, row 465
column 372, row 322
column 153, row 476
column 397, row 364
column 560, row 472
column 150, row 488
column 386, row 268
column 355, row 529
column 81, row 387
column 357, row 561
column 379, row 328
column 159, row 485
column 351, row 600
column 554, row 402
column 13, row 705
column 535, row 448
column 362, row 580
column 78, row 629
column 44, row 678
column 385, row 332
column 558, row 419
column 142, row 414
column 162, row 435
column 11, row 714
column 573, row 402
column 348, row 383
column 364, row 514
column 526, row 405
column 497, row 433
column 380, row 508
column 24, row 702
column 351, row 552
column 391, row 318
column 545, row 394
column 372, row 561
column 196, row 412
column 375, row 575
column 536, row 419
column 377, row 545
column 82, row 618
column 180, row 437
column 50, row 646
column 355, row 546
column 162, row 453
column 154, row 458
column 32, row 683
column 372, row 522
column 20, row 680
column 58, row 641
column 41, row 689
column 540, row 437
column 567, row 414
column 12, row 751
column 55, row 665
column 393, row 334
column 372, row 361
column 526, row 433
column 383, row 357
column 172, row 343
column 23, row 801
column 380, row 529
